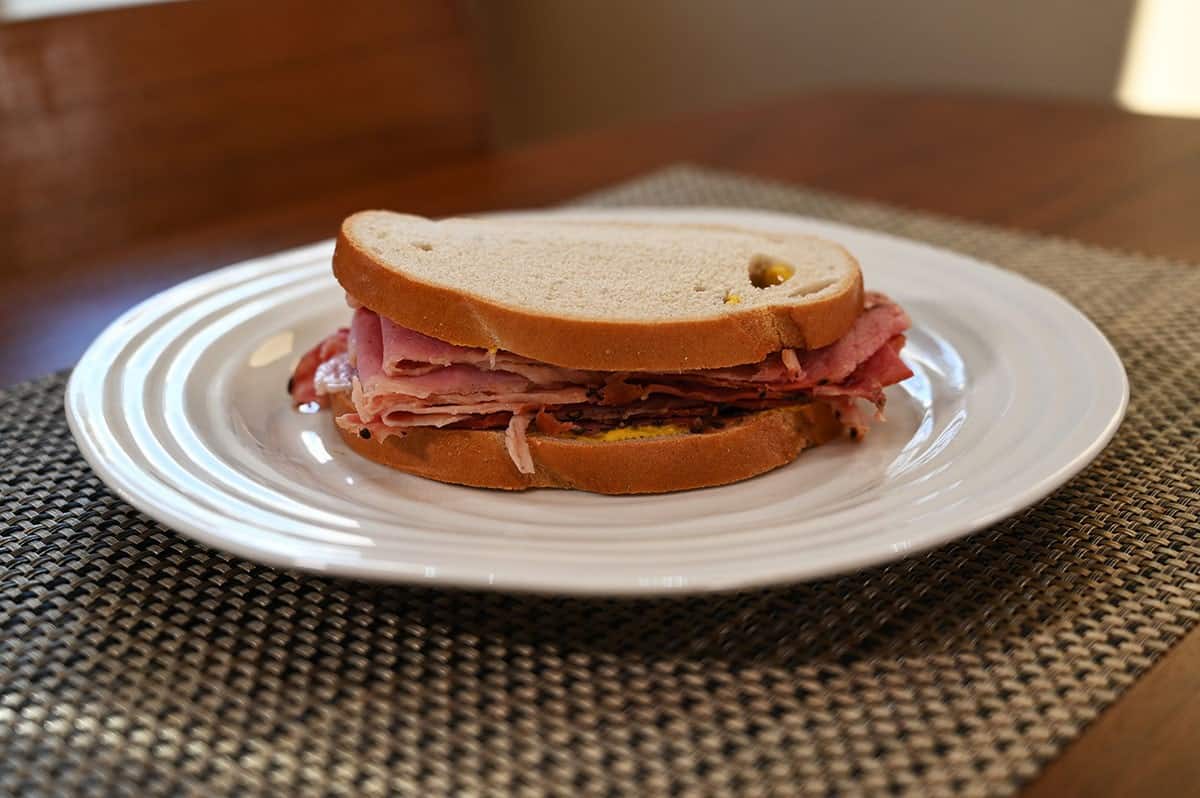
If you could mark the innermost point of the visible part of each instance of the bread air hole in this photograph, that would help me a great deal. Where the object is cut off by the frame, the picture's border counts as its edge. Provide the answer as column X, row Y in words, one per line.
column 766, row 271
column 423, row 245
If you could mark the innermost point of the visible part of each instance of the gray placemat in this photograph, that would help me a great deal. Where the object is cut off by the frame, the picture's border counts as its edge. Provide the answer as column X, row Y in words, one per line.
column 135, row 662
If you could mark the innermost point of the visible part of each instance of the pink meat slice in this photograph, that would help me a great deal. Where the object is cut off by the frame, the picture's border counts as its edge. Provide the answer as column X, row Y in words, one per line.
column 881, row 322
column 517, row 444
column 881, row 369
column 497, row 404
column 401, row 378
column 403, row 347
column 366, row 344
column 458, row 379
column 303, row 385
column 792, row 370
column 463, row 389
column 410, row 353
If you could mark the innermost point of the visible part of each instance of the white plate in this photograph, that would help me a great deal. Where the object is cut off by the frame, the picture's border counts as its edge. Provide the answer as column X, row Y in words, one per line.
column 180, row 407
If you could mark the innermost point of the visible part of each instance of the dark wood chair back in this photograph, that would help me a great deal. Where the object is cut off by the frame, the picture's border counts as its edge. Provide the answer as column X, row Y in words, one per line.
column 120, row 125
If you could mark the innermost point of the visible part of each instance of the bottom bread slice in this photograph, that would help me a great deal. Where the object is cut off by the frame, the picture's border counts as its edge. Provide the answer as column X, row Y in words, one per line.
column 745, row 447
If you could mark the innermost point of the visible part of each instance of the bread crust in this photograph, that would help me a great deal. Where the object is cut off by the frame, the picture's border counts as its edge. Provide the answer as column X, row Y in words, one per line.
column 671, row 345
column 745, row 448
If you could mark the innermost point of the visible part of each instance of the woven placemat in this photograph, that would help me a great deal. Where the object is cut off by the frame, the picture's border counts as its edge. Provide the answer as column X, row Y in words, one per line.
column 135, row 662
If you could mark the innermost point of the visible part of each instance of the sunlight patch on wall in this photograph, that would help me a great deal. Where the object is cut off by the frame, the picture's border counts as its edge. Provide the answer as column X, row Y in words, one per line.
column 1161, row 70
column 12, row 10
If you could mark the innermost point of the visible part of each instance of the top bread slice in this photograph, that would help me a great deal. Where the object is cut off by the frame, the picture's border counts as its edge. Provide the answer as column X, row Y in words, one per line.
column 600, row 295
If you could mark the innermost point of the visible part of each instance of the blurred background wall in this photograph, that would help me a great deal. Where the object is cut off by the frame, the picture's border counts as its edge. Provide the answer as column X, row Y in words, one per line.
column 558, row 66
column 555, row 66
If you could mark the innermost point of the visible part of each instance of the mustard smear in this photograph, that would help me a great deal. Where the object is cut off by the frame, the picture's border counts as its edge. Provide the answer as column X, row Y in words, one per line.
column 636, row 433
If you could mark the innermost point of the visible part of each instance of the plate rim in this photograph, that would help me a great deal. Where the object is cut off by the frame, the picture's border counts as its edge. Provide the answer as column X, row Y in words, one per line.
column 466, row 575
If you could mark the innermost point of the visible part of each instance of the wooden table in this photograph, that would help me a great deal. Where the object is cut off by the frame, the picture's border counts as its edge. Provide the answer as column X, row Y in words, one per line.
column 1085, row 172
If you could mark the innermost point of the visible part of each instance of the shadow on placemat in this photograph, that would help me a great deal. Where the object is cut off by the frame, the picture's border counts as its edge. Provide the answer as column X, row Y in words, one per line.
column 134, row 660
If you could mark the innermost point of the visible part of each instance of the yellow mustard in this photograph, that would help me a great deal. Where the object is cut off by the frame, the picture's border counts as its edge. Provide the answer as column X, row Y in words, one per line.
column 636, row 433
column 774, row 274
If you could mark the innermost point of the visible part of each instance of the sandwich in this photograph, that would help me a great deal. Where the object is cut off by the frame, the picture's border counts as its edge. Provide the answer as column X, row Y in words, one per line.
column 601, row 356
